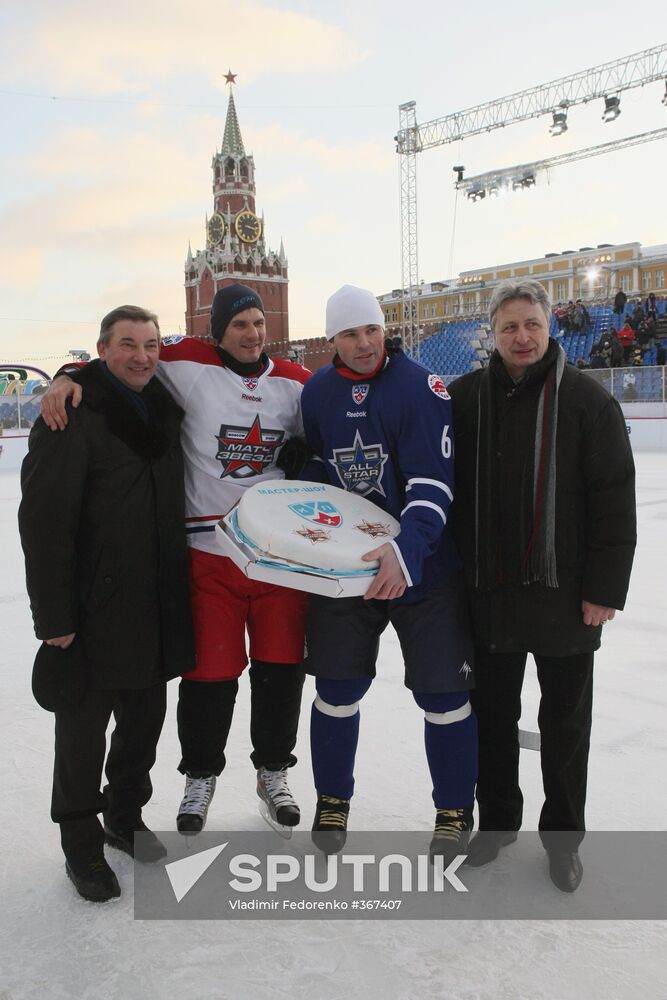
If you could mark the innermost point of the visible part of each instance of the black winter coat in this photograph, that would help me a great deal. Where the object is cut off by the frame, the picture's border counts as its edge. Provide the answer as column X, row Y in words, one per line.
column 595, row 512
column 102, row 528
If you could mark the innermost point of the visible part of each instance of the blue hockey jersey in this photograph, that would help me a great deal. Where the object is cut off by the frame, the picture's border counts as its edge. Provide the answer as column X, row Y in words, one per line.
column 388, row 437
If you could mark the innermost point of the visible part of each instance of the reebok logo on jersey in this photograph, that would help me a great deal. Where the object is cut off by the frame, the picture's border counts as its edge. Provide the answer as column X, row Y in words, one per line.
column 360, row 468
column 246, row 451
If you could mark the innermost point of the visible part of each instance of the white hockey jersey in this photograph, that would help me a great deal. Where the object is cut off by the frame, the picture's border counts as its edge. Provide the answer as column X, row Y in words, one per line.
column 233, row 428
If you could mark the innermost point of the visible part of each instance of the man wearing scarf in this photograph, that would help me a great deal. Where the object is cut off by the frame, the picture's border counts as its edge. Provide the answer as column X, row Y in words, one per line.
column 545, row 521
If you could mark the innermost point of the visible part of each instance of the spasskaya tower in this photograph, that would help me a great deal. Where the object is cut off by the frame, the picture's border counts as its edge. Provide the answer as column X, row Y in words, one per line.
column 236, row 248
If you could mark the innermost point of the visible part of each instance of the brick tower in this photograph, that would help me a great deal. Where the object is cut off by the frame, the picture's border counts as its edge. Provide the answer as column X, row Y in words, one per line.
column 236, row 249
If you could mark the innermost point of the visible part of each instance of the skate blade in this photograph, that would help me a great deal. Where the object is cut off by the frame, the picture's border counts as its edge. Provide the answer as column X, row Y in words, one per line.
column 284, row 831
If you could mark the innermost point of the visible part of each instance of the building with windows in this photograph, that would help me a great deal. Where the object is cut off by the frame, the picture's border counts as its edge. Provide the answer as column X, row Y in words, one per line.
column 590, row 273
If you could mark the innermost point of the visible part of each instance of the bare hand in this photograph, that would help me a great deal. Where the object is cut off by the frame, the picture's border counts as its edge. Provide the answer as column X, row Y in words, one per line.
column 390, row 581
column 53, row 401
column 596, row 614
column 62, row 641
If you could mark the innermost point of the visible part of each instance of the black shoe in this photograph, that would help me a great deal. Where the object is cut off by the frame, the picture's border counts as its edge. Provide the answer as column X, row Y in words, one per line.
column 565, row 870
column 193, row 809
column 330, row 823
column 450, row 837
column 149, row 849
column 93, row 879
column 486, row 844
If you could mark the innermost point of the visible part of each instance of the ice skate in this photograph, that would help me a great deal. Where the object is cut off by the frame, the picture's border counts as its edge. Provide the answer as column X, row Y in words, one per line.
column 450, row 837
column 277, row 805
column 193, row 809
column 330, row 824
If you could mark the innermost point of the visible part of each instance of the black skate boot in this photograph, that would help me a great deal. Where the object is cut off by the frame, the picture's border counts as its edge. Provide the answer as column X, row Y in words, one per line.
column 277, row 804
column 194, row 805
column 330, row 824
column 450, row 837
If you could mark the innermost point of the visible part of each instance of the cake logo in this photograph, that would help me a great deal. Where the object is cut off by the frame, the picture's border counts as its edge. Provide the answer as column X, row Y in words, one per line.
column 359, row 393
column 318, row 512
column 360, row 468
column 246, row 451
column 251, row 383
column 374, row 529
column 437, row 386
column 314, row 535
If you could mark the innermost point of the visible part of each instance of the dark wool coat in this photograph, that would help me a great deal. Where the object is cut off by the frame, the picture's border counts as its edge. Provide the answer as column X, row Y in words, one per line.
column 595, row 528
column 101, row 524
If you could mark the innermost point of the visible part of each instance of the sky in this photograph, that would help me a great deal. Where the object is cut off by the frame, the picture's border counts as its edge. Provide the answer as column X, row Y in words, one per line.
column 111, row 114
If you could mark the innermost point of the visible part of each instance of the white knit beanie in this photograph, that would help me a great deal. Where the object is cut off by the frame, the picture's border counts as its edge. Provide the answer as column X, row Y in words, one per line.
column 350, row 307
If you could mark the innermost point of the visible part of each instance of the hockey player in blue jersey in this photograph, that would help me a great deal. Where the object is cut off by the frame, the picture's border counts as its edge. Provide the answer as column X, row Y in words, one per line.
column 380, row 425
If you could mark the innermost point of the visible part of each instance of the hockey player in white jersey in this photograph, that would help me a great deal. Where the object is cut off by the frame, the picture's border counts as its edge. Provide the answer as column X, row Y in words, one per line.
column 241, row 408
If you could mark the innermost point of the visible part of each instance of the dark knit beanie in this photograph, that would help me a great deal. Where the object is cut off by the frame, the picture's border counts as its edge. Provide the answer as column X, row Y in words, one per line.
column 229, row 301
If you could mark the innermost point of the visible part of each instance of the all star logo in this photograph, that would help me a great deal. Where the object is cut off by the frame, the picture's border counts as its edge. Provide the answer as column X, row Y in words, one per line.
column 246, row 451
column 374, row 529
column 359, row 392
column 251, row 383
column 360, row 468
column 437, row 386
column 314, row 535
column 466, row 669
column 318, row 512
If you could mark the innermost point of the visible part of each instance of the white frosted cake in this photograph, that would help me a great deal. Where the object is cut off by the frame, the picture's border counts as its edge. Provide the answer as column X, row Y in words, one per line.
column 312, row 525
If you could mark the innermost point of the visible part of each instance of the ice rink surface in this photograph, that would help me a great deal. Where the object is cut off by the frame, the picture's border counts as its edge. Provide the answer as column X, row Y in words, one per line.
column 54, row 946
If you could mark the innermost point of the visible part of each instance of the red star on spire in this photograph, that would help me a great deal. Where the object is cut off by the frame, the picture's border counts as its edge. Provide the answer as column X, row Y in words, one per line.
column 230, row 77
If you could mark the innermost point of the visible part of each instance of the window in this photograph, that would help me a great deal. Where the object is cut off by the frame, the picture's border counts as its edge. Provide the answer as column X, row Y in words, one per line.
column 625, row 282
column 659, row 279
column 561, row 291
column 647, row 280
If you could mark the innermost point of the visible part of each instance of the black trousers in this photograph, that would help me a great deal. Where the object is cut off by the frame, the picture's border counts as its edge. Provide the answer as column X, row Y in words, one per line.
column 566, row 686
column 80, row 748
column 206, row 708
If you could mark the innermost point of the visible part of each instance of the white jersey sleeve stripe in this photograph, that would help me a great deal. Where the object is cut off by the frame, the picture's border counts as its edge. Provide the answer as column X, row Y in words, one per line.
column 430, row 482
column 408, row 578
column 425, row 503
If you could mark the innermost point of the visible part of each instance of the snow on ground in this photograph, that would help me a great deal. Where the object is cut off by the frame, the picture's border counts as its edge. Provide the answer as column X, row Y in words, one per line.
column 54, row 946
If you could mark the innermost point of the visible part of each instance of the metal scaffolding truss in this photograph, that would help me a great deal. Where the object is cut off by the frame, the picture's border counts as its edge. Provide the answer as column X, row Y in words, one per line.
column 523, row 174
column 607, row 80
column 409, row 262
column 592, row 84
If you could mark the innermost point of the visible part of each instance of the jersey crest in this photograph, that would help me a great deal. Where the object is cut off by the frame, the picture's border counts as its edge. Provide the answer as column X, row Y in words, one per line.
column 318, row 512
column 361, row 467
column 251, row 383
column 437, row 386
column 246, row 451
column 359, row 392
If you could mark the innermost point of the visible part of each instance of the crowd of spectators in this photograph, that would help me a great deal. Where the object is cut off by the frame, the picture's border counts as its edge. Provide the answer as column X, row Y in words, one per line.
column 634, row 333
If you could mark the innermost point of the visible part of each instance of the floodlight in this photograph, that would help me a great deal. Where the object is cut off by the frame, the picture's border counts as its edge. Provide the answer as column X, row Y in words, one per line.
column 559, row 124
column 612, row 109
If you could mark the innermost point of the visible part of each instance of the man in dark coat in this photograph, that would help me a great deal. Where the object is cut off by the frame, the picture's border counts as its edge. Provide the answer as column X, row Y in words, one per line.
column 545, row 519
column 101, row 524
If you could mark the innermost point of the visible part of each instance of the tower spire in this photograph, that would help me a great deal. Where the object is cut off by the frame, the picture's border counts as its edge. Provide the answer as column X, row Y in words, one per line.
column 232, row 142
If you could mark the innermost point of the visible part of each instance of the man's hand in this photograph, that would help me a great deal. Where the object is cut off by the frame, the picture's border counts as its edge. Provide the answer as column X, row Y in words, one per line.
column 596, row 614
column 390, row 581
column 62, row 641
column 53, row 402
